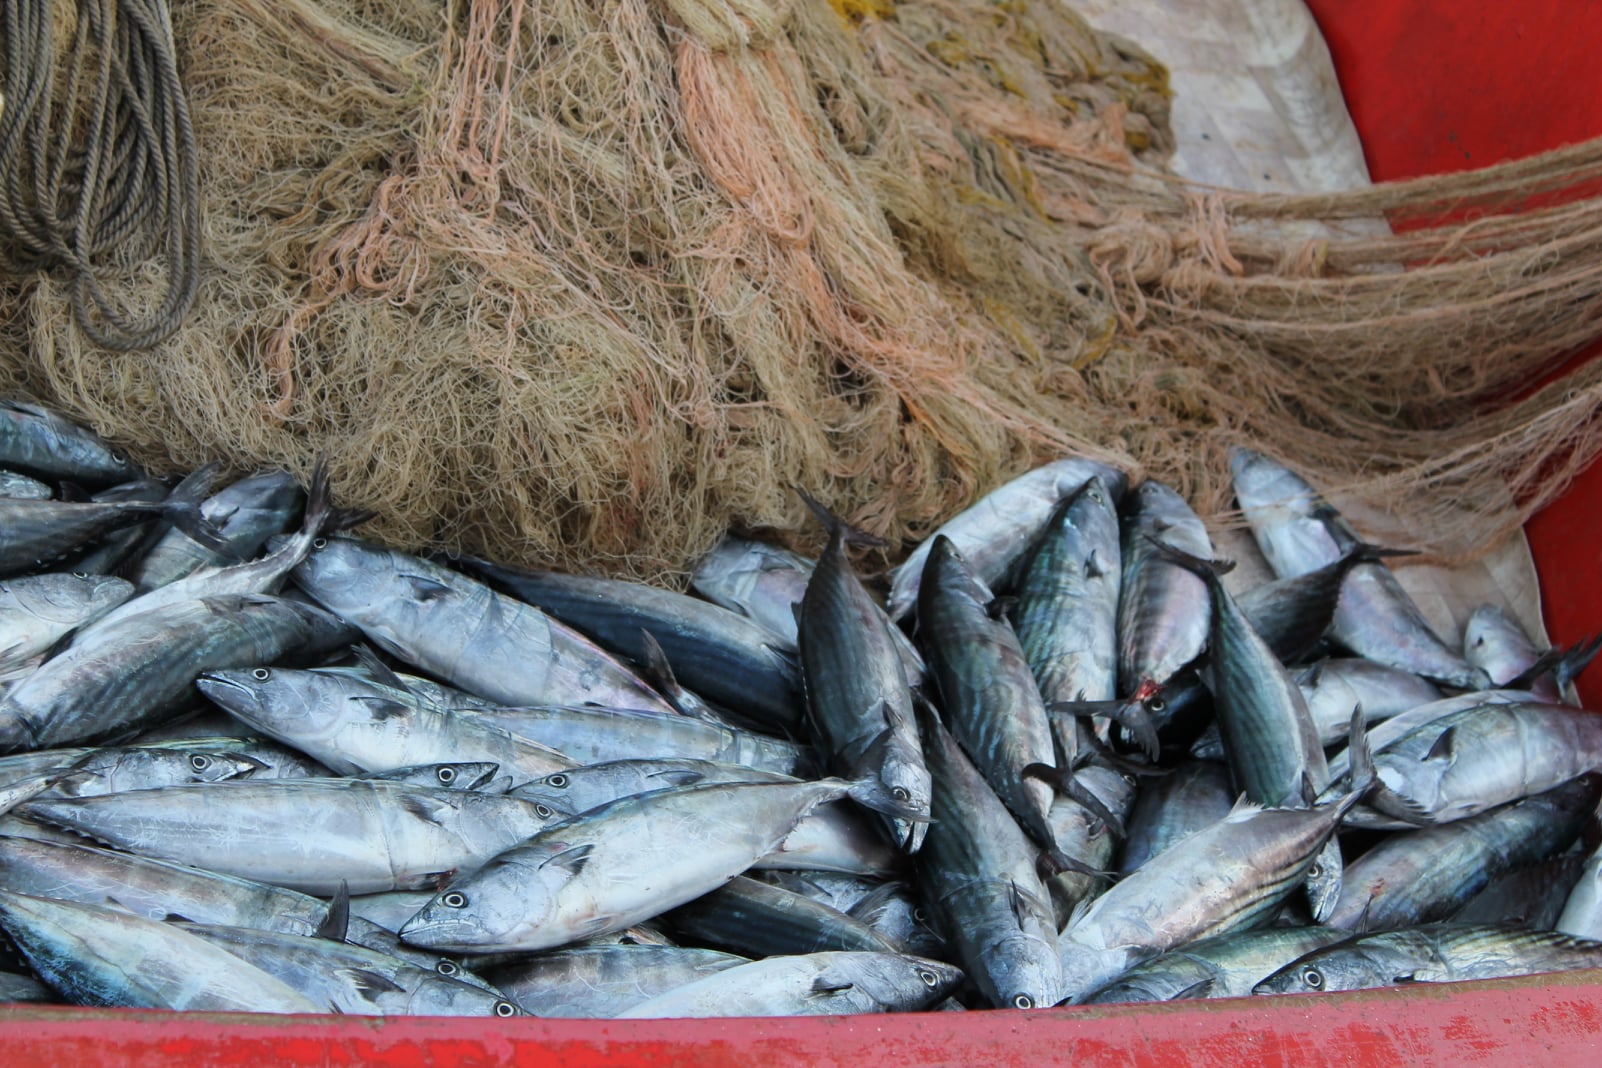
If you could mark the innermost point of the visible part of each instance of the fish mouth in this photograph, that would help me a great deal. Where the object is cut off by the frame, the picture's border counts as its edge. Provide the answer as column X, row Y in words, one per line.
column 222, row 681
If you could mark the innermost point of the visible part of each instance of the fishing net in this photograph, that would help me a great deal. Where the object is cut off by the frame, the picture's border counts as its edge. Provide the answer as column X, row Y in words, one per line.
column 584, row 285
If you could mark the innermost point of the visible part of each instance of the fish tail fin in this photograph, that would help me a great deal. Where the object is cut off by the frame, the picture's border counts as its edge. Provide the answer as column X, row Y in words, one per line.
column 182, row 509
column 834, row 526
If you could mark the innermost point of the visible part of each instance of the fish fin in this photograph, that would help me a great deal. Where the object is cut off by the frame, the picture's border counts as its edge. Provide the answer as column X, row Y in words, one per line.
column 426, row 589
column 384, row 708
column 1063, row 781
column 182, row 510
column 678, row 776
column 1313, row 674
column 1094, row 567
column 336, row 925
column 1202, row 988
column 1243, row 808
column 1562, row 664
column 1309, row 794
column 1056, row 862
column 1078, row 912
column 369, row 661
column 1364, row 918
column 1444, row 747
column 424, row 807
column 72, row 493
column 823, row 986
column 833, row 525
column 369, row 984
column 572, row 859
column 998, row 607
column 1208, row 569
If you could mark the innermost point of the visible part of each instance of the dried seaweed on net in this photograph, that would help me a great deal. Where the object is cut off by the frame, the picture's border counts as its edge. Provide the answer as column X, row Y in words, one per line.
column 583, row 285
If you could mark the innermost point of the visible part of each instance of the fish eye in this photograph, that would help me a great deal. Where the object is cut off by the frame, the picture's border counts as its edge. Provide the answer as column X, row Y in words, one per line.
column 544, row 812
column 454, row 900
column 1316, row 871
column 930, row 979
column 1023, row 1001
column 446, row 775
column 261, row 674
column 559, row 781
column 118, row 456
column 80, row 574
column 918, row 913
column 1156, row 704
column 901, row 793
column 200, row 762
column 505, row 1008
column 319, row 543
column 1095, row 830
column 447, row 967
column 1313, row 978
column 1094, row 496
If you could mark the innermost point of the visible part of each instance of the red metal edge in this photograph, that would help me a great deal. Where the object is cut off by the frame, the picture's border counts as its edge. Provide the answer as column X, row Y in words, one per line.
column 1549, row 1019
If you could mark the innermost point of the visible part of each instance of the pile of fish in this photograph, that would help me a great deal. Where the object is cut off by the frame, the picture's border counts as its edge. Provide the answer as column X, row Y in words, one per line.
column 253, row 763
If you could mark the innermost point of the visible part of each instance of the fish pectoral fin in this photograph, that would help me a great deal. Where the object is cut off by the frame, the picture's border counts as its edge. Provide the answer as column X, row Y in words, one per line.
column 572, row 859
column 1202, row 988
column 824, row 986
column 1443, row 749
column 677, row 777
column 998, row 607
column 426, row 808
column 1094, row 566
column 369, row 984
column 425, row 588
column 382, row 708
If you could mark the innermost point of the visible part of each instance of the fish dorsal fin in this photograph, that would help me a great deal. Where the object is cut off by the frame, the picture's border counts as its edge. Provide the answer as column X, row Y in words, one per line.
column 380, row 672
column 336, row 925
column 1244, row 809
column 572, row 860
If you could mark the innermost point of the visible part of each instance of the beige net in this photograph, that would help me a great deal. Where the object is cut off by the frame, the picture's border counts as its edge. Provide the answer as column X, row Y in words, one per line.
column 583, row 285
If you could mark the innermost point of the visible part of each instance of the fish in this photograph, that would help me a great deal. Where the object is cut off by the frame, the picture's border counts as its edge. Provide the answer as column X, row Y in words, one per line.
column 994, row 531
column 38, row 611
column 1432, row 953
column 307, row 834
column 816, row 984
column 45, row 444
column 142, row 669
column 1428, row 874
column 245, row 514
column 614, row 866
column 714, row 652
column 1298, row 531
column 978, row 875
column 857, row 692
column 461, row 630
column 601, row 981
column 100, row 956
column 987, row 693
column 1224, row 967
column 1162, row 607
column 1066, row 613
column 757, row 919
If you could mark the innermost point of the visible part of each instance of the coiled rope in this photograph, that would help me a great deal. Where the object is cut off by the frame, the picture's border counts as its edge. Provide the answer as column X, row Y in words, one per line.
column 97, row 162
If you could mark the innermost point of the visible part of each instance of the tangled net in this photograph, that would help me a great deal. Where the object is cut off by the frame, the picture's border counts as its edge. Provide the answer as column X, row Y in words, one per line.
column 583, row 285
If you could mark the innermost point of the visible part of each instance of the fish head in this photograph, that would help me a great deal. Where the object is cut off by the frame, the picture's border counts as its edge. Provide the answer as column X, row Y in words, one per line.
column 1023, row 972
column 502, row 904
column 899, row 982
column 1350, row 965
column 448, row 996
column 104, row 592
column 341, row 572
column 202, row 766
column 270, row 699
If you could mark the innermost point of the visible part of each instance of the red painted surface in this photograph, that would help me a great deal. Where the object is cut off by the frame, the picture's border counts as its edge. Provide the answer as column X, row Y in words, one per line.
column 1541, row 1021
column 1434, row 85
column 1445, row 85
